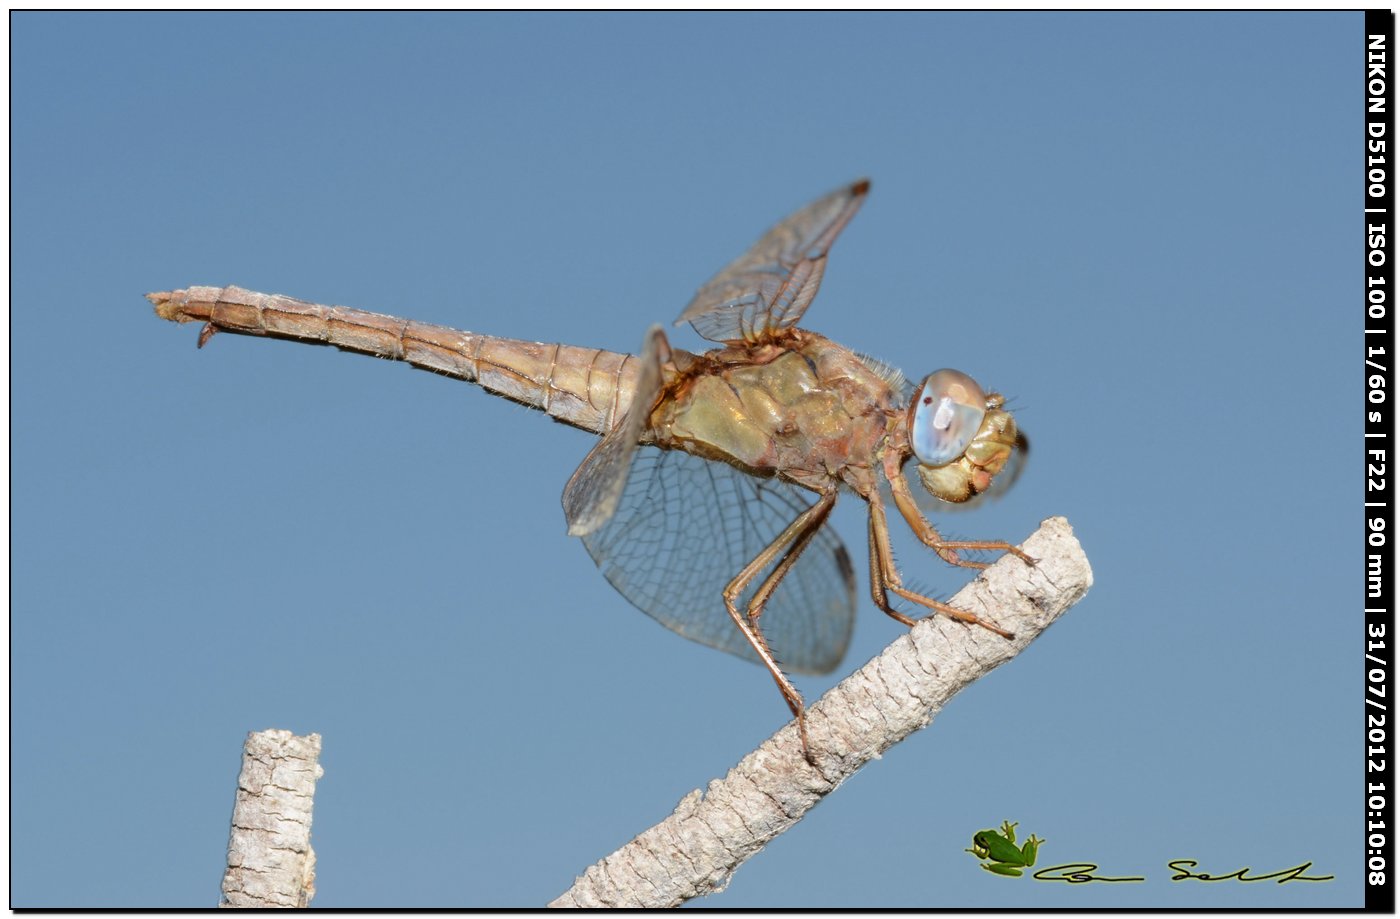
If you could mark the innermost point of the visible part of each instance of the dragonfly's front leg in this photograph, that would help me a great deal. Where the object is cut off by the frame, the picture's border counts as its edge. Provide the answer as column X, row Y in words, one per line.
column 885, row 580
column 947, row 549
column 795, row 538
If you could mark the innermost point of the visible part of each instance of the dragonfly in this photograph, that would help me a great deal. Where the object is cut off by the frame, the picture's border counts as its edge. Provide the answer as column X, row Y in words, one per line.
column 706, row 501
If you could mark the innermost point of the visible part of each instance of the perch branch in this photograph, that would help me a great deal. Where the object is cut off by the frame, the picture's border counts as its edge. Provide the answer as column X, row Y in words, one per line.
column 270, row 861
column 694, row 851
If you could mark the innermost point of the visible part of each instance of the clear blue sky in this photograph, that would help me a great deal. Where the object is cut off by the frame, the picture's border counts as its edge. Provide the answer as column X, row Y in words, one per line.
column 1145, row 228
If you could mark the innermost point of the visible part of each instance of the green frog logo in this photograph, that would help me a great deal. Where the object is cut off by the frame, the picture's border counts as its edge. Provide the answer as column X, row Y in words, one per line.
column 999, row 849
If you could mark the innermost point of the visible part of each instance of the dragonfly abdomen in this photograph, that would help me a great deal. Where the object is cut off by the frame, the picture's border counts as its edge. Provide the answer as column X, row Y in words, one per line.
column 586, row 387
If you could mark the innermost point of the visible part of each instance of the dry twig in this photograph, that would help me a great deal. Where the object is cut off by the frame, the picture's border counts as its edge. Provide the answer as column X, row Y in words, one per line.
column 694, row 851
column 270, row 861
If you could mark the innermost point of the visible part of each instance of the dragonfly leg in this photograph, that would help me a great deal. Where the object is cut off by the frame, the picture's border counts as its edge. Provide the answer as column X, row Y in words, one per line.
column 885, row 580
column 947, row 549
column 790, row 543
column 881, row 569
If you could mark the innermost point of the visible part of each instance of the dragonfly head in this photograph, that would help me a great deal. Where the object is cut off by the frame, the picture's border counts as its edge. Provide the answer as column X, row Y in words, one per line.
column 961, row 436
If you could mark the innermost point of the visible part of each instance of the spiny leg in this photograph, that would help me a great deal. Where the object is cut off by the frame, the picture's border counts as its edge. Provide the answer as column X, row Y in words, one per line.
column 759, row 600
column 877, row 571
column 796, row 537
column 884, row 579
column 947, row 549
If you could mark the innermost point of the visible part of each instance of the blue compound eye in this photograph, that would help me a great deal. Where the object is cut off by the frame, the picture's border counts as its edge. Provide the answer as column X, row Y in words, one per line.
column 947, row 412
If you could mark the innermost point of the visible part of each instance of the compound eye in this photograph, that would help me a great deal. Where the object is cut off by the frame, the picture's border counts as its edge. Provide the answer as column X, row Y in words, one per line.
column 948, row 410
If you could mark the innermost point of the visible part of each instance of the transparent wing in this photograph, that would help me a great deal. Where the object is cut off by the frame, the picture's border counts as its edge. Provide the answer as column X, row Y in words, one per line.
column 769, row 287
column 685, row 526
column 596, row 485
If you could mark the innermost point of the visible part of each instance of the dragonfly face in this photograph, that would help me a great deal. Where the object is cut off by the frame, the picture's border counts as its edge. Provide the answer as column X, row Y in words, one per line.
column 960, row 436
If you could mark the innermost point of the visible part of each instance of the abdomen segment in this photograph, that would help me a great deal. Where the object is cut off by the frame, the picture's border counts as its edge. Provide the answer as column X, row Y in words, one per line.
column 586, row 387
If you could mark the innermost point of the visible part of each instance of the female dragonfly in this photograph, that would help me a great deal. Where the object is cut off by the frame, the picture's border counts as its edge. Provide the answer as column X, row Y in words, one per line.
column 705, row 501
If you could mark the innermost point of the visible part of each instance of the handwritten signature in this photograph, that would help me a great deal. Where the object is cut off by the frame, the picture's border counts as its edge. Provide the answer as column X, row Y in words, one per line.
column 1083, row 873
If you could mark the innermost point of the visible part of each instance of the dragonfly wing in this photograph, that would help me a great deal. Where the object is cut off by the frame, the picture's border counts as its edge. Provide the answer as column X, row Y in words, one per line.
column 769, row 287
column 685, row 526
column 596, row 485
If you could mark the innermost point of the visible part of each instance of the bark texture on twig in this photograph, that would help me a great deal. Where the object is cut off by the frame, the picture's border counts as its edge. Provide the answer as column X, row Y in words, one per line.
column 270, row 861
column 694, row 851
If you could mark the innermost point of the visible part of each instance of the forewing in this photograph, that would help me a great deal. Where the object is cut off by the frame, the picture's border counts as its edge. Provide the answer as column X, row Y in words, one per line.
column 593, row 490
column 685, row 526
column 769, row 287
